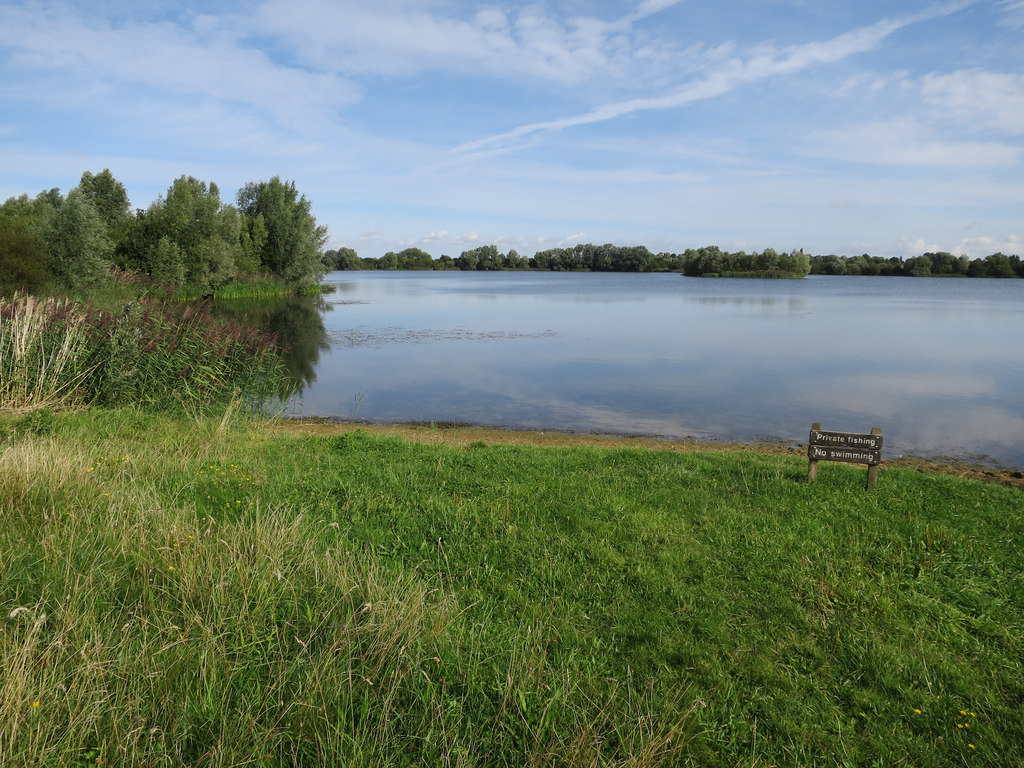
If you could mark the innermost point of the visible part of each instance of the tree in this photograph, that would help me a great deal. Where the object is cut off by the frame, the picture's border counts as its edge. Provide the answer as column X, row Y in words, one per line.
column 514, row 261
column 467, row 260
column 415, row 258
column 22, row 257
column 1000, row 265
column 944, row 263
column 167, row 263
column 111, row 201
column 343, row 258
column 190, row 236
column 78, row 248
column 294, row 242
column 918, row 266
column 253, row 239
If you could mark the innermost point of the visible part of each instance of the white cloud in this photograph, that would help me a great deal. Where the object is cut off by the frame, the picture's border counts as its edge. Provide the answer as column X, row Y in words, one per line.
column 204, row 62
column 404, row 38
column 720, row 77
column 919, row 246
column 911, row 142
column 1013, row 11
column 979, row 247
column 983, row 100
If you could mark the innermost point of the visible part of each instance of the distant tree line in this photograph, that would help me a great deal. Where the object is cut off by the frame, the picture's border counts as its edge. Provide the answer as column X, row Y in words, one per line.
column 187, row 237
column 938, row 264
column 709, row 260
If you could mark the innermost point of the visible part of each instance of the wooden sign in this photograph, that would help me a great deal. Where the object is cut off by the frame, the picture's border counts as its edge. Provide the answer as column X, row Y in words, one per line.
column 848, row 447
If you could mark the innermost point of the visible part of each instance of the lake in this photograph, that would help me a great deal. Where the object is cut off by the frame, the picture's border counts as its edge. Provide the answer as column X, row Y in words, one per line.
column 936, row 363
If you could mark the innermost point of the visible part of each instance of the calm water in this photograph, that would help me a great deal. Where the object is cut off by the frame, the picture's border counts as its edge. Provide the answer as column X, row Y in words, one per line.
column 937, row 364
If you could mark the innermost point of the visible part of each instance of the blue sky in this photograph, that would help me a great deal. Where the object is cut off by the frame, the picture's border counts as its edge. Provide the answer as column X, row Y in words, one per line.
column 836, row 127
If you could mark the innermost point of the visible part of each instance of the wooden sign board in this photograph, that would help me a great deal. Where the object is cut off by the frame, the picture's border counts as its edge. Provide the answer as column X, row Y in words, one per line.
column 848, row 447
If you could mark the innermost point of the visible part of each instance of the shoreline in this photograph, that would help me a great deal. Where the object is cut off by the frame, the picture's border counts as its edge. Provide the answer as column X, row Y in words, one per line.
column 461, row 434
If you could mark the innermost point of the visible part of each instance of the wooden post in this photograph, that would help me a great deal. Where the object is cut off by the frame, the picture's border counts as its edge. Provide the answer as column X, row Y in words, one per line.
column 812, row 464
column 873, row 468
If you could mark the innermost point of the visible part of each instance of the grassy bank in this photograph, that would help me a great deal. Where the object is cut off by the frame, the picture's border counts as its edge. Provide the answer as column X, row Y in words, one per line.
column 218, row 591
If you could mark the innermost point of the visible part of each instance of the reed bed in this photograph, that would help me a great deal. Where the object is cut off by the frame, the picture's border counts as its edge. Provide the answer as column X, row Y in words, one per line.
column 44, row 353
column 58, row 354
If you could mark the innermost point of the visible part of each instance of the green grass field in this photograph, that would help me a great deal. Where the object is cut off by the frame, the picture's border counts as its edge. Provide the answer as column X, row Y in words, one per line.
column 220, row 592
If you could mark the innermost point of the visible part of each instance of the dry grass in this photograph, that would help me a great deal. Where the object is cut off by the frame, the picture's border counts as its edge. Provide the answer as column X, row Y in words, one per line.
column 43, row 346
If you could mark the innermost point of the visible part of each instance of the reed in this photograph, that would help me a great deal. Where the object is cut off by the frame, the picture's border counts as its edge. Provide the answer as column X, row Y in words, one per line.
column 43, row 353
column 59, row 354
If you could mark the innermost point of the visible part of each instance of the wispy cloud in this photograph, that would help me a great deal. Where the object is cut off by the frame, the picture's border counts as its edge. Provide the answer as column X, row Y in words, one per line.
column 402, row 38
column 986, row 101
column 1013, row 13
column 761, row 63
column 204, row 61
column 907, row 141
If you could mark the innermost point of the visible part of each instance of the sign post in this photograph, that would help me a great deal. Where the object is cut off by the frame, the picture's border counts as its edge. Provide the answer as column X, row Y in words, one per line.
column 847, row 447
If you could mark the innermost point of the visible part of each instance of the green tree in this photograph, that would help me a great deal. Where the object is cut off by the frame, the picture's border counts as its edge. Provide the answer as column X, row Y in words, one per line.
column 78, row 249
column 943, row 263
column 918, row 266
column 111, row 201
column 197, row 236
column 467, row 260
column 253, row 239
column 514, row 261
column 22, row 256
column 294, row 243
column 415, row 258
column 1000, row 265
column 167, row 263
column 342, row 258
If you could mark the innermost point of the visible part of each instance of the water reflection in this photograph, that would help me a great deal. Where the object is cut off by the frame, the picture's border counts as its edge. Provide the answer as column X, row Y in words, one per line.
column 298, row 324
column 791, row 303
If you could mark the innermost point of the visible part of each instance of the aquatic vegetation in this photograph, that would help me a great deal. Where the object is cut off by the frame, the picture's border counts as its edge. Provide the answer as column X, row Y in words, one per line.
column 55, row 353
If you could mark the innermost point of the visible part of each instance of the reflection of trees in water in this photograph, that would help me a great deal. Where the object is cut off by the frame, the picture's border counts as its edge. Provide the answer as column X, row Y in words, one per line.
column 298, row 323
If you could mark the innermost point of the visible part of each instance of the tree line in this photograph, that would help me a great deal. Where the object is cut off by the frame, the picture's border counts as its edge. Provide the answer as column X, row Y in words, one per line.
column 706, row 261
column 189, row 236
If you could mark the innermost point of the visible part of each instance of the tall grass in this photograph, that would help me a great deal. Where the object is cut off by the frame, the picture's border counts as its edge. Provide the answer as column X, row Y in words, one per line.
column 139, row 630
column 168, row 355
column 44, row 353
column 54, row 354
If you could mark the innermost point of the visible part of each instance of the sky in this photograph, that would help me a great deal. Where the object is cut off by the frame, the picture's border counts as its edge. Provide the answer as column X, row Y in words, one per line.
column 836, row 127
